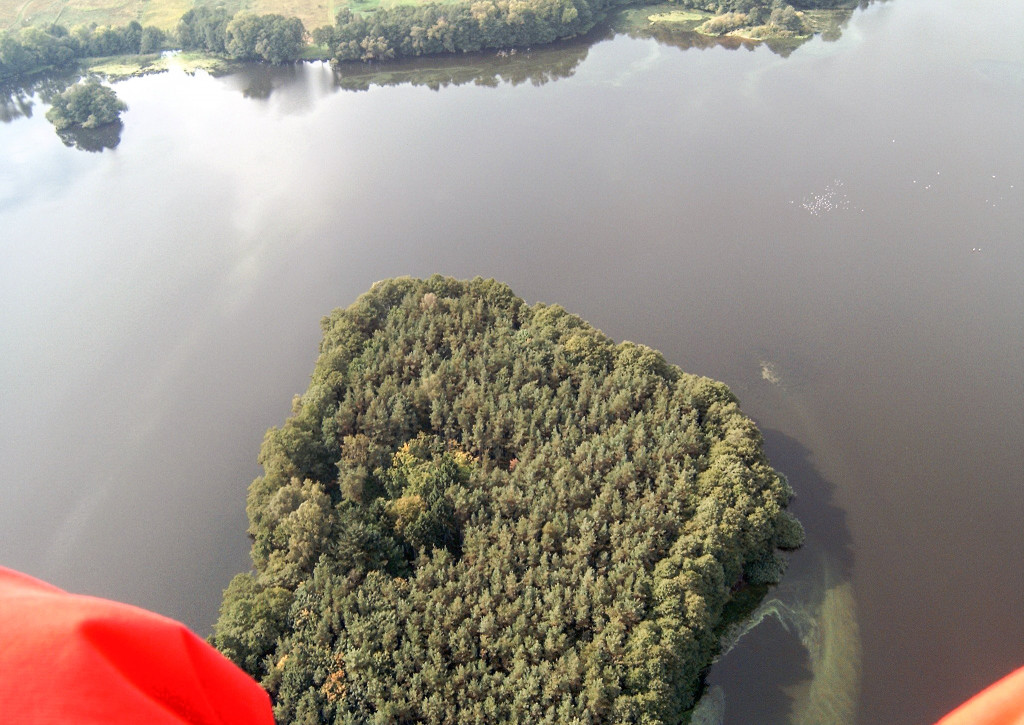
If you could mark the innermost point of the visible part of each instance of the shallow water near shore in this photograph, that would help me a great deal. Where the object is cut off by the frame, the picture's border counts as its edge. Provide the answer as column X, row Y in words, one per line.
column 848, row 218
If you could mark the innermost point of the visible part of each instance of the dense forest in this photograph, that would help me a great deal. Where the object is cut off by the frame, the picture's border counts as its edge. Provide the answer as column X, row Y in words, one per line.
column 484, row 511
column 273, row 38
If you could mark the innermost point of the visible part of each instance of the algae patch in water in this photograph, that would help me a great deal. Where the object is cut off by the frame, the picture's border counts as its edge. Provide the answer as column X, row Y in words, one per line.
column 822, row 614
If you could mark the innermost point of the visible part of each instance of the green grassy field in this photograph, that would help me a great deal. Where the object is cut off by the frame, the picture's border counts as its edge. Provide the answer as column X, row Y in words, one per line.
column 165, row 13
column 364, row 5
column 161, row 13
column 689, row 18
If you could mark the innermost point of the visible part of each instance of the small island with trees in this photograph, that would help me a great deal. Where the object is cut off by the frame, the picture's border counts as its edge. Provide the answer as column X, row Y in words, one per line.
column 88, row 104
column 87, row 116
column 485, row 511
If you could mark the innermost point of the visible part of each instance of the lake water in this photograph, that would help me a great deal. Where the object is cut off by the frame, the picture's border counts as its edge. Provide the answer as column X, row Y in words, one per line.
column 838, row 235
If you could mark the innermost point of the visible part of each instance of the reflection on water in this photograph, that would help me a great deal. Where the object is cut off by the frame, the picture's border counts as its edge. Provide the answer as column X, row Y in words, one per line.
column 15, row 103
column 18, row 101
column 261, row 86
column 94, row 140
column 536, row 66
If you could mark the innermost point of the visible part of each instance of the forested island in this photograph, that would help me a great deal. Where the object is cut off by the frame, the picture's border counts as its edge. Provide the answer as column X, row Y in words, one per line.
column 87, row 116
column 486, row 511
column 89, row 104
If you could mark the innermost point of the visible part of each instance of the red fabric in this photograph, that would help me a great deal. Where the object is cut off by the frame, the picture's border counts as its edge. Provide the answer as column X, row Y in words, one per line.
column 66, row 658
column 999, row 704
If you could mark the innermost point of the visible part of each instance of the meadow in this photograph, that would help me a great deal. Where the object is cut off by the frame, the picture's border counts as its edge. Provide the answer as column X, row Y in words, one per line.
column 164, row 14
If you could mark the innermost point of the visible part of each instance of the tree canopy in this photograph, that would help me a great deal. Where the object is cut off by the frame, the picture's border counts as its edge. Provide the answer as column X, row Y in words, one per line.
column 484, row 511
column 273, row 38
column 245, row 36
column 30, row 50
column 88, row 104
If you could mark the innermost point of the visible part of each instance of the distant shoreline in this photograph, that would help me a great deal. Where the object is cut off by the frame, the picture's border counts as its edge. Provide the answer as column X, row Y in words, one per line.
column 341, row 45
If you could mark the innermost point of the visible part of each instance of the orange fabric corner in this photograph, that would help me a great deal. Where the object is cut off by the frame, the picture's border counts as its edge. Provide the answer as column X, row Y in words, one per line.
column 67, row 658
column 998, row 704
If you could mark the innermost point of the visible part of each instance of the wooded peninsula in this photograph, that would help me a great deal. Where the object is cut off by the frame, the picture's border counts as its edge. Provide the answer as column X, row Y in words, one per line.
column 486, row 511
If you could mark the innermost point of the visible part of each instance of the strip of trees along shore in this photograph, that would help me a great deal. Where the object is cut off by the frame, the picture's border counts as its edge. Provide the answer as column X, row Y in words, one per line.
column 384, row 33
column 244, row 36
column 476, row 25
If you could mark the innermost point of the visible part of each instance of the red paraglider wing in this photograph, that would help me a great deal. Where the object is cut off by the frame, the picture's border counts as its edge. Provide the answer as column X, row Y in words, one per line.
column 67, row 658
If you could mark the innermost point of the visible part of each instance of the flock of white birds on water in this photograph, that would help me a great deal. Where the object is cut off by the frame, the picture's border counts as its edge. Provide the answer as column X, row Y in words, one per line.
column 831, row 199
column 834, row 198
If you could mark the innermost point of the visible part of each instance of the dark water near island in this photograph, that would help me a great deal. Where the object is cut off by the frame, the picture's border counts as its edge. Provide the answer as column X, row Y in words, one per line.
column 838, row 235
